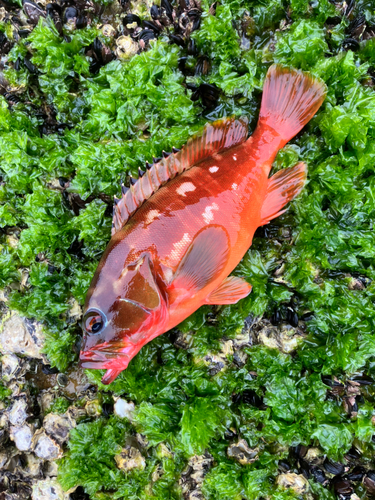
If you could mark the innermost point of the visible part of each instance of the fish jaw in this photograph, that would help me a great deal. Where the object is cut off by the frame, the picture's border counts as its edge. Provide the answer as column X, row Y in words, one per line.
column 114, row 360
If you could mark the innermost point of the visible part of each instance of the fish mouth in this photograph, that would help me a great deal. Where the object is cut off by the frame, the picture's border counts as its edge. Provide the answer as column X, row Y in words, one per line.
column 105, row 357
column 98, row 358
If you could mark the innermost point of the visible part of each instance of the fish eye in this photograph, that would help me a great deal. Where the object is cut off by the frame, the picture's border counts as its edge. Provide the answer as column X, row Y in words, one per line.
column 93, row 322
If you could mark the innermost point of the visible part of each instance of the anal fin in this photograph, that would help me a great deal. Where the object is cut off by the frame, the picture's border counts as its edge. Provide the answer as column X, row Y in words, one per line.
column 283, row 187
column 230, row 291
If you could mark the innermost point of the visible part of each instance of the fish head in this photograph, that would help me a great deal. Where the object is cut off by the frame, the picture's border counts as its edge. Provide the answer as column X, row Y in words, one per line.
column 121, row 314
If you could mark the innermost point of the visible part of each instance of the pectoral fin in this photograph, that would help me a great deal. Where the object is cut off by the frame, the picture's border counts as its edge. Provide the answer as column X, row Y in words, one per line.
column 231, row 290
column 204, row 259
column 283, row 187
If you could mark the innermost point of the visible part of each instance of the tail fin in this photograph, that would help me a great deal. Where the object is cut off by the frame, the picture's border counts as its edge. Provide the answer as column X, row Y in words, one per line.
column 290, row 99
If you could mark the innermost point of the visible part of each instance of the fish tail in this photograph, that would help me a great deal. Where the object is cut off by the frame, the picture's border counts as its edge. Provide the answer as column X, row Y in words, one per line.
column 290, row 99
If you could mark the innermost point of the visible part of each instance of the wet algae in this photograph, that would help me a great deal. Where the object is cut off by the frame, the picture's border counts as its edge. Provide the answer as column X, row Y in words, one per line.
column 308, row 323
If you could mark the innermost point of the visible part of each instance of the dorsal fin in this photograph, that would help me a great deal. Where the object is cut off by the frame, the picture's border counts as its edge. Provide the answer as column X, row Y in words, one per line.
column 215, row 137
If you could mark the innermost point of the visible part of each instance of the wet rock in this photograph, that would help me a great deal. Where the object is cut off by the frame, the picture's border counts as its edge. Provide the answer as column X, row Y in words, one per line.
column 296, row 482
column 48, row 489
column 124, row 409
column 19, row 335
column 22, row 437
column 126, row 47
column 130, row 458
column 18, row 413
column 46, row 447
column 58, row 426
column 242, row 452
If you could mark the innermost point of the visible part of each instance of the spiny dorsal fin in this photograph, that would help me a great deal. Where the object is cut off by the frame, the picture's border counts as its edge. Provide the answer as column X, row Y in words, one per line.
column 215, row 137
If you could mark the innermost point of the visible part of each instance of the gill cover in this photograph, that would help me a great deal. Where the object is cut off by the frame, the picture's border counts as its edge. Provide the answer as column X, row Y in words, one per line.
column 136, row 306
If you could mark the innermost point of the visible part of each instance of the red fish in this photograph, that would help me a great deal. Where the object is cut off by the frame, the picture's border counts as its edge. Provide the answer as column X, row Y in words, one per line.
column 185, row 224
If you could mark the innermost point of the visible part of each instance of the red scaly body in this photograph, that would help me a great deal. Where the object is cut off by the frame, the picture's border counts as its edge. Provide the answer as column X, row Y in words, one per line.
column 176, row 251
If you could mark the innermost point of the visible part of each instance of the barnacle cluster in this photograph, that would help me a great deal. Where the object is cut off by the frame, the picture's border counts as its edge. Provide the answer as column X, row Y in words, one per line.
column 270, row 398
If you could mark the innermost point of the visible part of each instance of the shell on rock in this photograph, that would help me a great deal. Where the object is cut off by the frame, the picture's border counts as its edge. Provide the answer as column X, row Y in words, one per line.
column 45, row 401
column 297, row 482
column 11, row 366
column 22, row 437
column 130, row 458
column 215, row 362
column 75, row 311
column 48, row 489
column 46, row 447
column 58, row 426
column 193, row 476
column 123, row 409
column 18, row 413
column 93, row 408
column 242, row 452
column 108, row 30
column 286, row 339
column 20, row 335
column 50, row 469
column 30, row 466
column 4, row 458
column 126, row 47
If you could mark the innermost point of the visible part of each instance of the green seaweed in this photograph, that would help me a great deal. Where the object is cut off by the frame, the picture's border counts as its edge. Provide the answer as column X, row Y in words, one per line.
column 4, row 392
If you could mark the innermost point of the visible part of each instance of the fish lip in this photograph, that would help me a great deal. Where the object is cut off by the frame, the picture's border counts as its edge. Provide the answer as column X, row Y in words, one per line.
column 104, row 356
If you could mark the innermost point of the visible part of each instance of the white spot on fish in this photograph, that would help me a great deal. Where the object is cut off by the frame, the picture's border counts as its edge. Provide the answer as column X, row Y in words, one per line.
column 186, row 187
column 207, row 215
column 213, row 169
column 179, row 247
column 235, row 157
column 151, row 215
column 168, row 273
column 234, row 186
